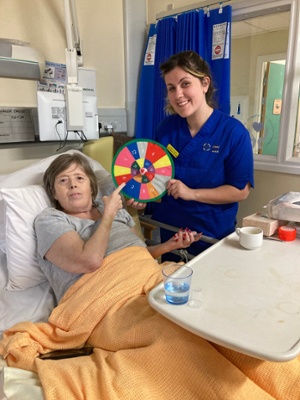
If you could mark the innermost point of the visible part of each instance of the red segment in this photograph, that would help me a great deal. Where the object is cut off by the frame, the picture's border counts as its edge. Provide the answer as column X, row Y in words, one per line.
column 149, row 176
column 154, row 152
column 123, row 178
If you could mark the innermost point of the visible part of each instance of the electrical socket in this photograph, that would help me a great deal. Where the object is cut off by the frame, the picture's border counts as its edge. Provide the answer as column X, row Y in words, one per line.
column 112, row 119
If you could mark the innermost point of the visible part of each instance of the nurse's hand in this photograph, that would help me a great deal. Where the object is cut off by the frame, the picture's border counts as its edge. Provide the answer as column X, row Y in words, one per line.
column 178, row 189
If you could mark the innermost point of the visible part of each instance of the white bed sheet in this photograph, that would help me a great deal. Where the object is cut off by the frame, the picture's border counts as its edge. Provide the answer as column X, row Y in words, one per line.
column 17, row 384
column 34, row 304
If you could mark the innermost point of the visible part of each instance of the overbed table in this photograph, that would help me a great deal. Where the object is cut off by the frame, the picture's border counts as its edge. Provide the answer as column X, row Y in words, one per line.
column 251, row 298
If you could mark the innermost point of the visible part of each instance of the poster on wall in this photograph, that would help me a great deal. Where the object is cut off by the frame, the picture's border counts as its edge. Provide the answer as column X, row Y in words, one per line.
column 150, row 51
column 220, row 44
column 54, row 78
column 16, row 125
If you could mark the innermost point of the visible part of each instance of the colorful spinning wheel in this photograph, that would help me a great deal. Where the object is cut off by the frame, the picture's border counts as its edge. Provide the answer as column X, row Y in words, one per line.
column 145, row 166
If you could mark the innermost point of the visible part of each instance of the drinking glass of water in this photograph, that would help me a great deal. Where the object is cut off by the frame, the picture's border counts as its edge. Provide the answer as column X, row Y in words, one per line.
column 177, row 283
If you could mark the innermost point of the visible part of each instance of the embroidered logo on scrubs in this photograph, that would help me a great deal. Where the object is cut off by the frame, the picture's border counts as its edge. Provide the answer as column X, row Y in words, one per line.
column 206, row 147
column 173, row 151
column 215, row 149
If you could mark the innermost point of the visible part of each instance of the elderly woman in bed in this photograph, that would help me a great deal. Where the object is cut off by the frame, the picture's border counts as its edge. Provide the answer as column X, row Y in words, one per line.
column 74, row 237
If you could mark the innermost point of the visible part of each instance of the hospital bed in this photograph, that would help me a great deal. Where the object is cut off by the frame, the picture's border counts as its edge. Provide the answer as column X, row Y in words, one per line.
column 159, row 360
column 25, row 295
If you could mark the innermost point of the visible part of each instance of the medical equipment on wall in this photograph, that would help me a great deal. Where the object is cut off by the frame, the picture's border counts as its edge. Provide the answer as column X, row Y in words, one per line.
column 70, row 113
column 52, row 118
column 73, row 92
column 20, row 61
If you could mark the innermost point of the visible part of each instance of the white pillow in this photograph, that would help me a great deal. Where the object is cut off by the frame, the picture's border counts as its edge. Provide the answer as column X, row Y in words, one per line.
column 22, row 206
column 33, row 175
column 19, row 206
column 2, row 225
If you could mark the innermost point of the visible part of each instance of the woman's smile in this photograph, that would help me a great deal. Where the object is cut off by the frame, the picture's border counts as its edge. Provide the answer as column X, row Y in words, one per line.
column 182, row 103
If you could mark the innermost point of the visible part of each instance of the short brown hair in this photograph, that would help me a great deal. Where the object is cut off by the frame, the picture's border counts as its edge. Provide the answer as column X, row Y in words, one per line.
column 192, row 63
column 60, row 164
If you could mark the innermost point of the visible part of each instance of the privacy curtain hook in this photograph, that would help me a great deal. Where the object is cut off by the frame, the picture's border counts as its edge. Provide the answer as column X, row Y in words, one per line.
column 208, row 13
column 221, row 8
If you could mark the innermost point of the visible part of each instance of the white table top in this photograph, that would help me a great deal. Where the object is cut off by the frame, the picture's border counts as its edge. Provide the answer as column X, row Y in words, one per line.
column 251, row 298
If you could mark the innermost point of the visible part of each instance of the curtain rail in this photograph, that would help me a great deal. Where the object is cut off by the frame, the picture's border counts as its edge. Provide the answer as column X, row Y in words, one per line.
column 203, row 4
column 238, row 5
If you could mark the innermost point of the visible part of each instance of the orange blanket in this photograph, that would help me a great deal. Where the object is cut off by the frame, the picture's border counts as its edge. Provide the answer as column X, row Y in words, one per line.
column 138, row 354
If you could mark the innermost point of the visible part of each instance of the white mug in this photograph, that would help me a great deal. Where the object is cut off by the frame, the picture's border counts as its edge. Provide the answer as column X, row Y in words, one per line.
column 250, row 237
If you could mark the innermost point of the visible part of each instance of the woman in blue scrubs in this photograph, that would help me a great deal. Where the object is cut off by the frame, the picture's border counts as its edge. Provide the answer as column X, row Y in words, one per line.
column 212, row 154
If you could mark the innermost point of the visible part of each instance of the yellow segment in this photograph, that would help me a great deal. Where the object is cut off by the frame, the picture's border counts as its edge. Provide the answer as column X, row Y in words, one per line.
column 118, row 170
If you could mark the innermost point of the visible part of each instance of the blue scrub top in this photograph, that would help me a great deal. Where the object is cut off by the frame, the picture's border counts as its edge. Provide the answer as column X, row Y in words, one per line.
column 219, row 154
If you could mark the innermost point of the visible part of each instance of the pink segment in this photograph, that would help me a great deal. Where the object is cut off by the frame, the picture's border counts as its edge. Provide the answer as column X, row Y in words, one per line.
column 167, row 170
column 124, row 158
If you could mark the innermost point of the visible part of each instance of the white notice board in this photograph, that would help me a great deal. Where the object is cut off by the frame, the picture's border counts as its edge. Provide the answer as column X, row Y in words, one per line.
column 16, row 125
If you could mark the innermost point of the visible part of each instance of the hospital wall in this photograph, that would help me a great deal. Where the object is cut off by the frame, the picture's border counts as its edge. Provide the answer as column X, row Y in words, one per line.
column 41, row 22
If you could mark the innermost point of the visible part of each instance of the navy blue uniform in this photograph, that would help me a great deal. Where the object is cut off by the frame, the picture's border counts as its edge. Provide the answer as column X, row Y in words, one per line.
column 219, row 154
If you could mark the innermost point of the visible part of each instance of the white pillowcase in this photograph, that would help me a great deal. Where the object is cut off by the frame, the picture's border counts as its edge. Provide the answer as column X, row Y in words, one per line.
column 33, row 175
column 22, row 207
column 2, row 224
column 22, row 198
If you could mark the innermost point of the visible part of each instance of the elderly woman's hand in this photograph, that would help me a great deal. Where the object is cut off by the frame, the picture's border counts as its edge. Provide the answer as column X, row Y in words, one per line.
column 184, row 238
column 113, row 203
column 135, row 204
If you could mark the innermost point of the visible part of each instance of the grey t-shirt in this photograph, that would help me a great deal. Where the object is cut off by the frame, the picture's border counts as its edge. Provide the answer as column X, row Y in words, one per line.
column 52, row 223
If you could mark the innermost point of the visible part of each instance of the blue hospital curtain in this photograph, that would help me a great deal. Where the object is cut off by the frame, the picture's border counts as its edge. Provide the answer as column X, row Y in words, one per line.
column 150, row 97
column 145, row 95
column 193, row 30
column 166, row 29
column 218, row 49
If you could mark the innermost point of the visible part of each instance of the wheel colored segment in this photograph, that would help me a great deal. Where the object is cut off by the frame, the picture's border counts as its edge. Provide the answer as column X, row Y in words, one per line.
column 145, row 166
